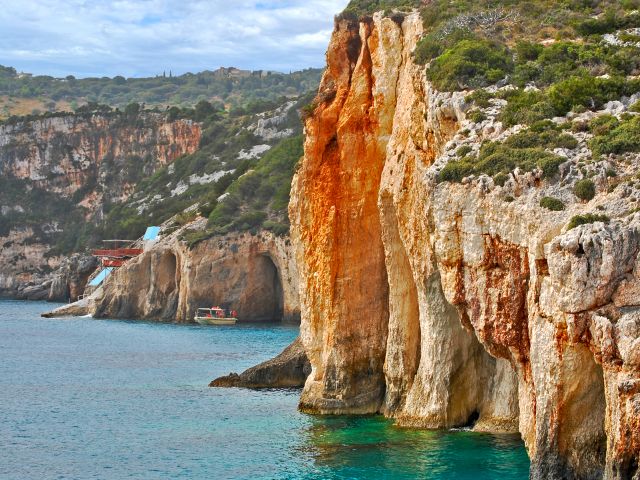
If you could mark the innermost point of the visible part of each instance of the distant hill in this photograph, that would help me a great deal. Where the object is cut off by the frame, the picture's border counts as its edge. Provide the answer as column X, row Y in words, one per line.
column 26, row 94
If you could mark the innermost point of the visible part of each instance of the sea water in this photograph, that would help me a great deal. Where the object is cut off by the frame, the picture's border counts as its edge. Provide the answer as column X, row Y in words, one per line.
column 96, row 399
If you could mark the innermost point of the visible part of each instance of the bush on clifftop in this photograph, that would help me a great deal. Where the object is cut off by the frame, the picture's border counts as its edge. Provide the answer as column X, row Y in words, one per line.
column 470, row 64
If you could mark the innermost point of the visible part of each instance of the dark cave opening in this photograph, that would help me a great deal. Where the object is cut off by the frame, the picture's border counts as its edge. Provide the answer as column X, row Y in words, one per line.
column 268, row 292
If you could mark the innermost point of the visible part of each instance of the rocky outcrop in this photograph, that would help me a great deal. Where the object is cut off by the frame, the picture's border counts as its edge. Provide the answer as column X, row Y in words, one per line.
column 288, row 370
column 252, row 274
column 442, row 304
column 79, row 308
column 28, row 273
column 70, row 278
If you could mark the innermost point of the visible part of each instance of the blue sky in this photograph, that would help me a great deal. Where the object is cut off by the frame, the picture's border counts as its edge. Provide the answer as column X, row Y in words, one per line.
column 138, row 38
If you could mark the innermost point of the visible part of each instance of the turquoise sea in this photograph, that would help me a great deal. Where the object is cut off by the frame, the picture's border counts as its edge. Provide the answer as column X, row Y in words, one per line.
column 95, row 399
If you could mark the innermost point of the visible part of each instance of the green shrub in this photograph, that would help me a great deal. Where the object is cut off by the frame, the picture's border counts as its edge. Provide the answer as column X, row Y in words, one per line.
column 500, row 179
column 586, row 219
column 495, row 158
column 278, row 228
column 527, row 51
column 307, row 110
column 525, row 108
column 588, row 91
column 480, row 97
column 433, row 45
column 470, row 64
column 464, row 151
column 183, row 218
column 635, row 107
column 552, row 204
column 249, row 220
column 618, row 138
column 543, row 134
column 584, row 189
column 193, row 237
column 607, row 23
column 603, row 124
column 565, row 95
column 476, row 116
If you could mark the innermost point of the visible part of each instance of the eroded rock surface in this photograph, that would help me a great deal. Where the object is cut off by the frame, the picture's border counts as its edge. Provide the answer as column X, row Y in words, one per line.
column 252, row 274
column 27, row 273
column 288, row 370
column 438, row 303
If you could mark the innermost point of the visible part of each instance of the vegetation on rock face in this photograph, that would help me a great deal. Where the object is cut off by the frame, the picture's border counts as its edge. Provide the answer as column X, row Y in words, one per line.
column 470, row 63
column 585, row 189
column 26, row 206
column 230, row 147
column 260, row 197
column 358, row 8
column 551, row 203
column 586, row 219
column 127, row 142
column 471, row 44
column 616, row 137
column 255, row 189
column 518, row 151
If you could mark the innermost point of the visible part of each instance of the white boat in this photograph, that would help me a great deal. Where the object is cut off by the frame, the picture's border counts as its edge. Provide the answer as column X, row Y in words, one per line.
column 213, row 316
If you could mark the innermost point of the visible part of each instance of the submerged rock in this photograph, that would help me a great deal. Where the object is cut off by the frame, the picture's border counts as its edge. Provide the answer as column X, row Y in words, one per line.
column 289, row 369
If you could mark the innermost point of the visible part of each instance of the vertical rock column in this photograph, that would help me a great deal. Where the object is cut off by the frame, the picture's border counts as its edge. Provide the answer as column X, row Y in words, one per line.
column 336, row 224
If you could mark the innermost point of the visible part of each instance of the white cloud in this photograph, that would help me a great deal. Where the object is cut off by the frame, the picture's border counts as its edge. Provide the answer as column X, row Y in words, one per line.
column 146, row 37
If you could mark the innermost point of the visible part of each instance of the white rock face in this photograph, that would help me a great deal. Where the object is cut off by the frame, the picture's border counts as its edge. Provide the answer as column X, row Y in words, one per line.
column 267, row 127
column 255, row 152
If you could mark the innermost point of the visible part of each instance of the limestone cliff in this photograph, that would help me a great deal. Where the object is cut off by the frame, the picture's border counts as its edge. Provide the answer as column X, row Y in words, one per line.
column 437, row 303
column 66, row 154
column 60, row 172
column 252, row 274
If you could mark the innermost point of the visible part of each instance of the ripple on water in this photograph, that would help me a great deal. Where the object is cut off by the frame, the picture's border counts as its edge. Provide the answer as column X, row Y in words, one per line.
column 92, row 399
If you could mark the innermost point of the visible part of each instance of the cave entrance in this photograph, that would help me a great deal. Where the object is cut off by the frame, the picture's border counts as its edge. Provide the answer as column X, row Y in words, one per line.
column 268, row 296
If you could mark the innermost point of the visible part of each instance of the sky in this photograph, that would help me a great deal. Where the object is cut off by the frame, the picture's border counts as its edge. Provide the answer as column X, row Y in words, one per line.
column 140, row 38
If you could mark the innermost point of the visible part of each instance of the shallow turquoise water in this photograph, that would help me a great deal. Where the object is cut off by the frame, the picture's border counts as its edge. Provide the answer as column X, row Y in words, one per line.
column 89, row 399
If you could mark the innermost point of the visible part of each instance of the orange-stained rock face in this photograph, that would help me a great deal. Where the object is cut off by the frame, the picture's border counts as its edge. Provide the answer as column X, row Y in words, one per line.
column 338, row 229
column 437, row 303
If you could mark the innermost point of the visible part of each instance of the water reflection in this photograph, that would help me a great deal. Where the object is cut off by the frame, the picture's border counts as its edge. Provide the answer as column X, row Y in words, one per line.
column 373, row 447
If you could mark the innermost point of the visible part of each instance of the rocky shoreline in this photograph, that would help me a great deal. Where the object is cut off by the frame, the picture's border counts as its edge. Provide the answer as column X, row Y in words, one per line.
column 289, row 369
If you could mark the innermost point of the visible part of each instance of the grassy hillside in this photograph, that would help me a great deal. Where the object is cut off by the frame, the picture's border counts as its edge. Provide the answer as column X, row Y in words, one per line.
column 247, row 169
column 240, row 190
